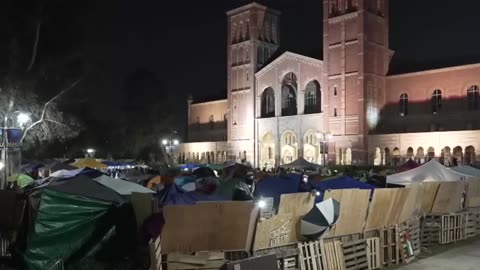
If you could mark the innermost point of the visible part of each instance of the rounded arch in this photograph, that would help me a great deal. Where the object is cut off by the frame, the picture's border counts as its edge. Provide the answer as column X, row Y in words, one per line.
column 377, row 156
column 339, row 156
column 420, row 156
column 430, row 153
column 396, row 156
column 470, row 155
column 348, row 156
column 289, row 94
column 457, row 156
column 409, row 153
column 387, row 156
column 311, row 146
column 268, row 103
column 313, row 97
column 445, row 156
column 289, row 146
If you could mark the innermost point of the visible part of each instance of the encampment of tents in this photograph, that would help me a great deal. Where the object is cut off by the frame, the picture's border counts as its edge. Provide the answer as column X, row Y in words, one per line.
column 431, row 171
column 342, row 182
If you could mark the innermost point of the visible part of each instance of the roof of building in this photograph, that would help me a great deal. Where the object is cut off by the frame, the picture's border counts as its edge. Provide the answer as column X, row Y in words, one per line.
column 279, row 54
column 209, row 98
column 401, row 66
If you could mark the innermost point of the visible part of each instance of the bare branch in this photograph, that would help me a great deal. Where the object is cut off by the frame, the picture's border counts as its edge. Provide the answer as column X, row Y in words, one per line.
column 35, row 46
column 45, row 107
column 55, row 122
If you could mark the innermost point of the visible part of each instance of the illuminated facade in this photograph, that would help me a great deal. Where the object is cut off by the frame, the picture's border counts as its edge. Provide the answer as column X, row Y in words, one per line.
column 283, row 106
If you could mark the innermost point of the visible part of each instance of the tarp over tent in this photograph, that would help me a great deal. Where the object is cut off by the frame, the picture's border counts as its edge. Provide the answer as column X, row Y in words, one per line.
column 301, row 163
column 468, row 170
column 275, row 186
column 410, row 164
column 176, row 196
column 431, row 171
column 120, row 186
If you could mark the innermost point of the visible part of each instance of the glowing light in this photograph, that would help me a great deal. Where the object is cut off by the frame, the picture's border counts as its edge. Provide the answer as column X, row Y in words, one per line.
column 23, row 119
column 2, row 165
column 176, row 142
column 164, row 141
column 305, row 179
column 261, row 204
column 90, row 150
column 317, row 193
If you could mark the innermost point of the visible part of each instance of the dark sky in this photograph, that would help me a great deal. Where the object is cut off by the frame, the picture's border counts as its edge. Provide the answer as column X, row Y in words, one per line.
column 184, row 42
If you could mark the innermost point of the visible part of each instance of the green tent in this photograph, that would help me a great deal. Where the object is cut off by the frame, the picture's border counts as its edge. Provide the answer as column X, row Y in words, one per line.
column 64, row 224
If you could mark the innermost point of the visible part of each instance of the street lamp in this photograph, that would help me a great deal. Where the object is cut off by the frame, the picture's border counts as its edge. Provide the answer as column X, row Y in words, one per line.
column 324, row 138
column 91, row 152
column 170, row 144
column 18, row 123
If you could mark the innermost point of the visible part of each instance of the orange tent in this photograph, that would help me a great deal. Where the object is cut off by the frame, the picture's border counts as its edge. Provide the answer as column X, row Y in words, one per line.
column 160, row 180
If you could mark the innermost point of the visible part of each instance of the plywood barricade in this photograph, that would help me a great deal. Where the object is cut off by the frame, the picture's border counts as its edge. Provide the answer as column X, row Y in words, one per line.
column 429, row 192
column 212, row 226
column 353, row 210
column 284, row 228
column 449, row 197
column 473, row 194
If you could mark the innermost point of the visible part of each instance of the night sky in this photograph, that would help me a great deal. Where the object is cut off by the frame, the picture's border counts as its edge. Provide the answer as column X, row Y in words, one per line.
column 184, row 42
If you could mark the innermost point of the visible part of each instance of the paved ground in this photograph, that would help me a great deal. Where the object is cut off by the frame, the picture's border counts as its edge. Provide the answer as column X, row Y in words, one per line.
column 462, row 257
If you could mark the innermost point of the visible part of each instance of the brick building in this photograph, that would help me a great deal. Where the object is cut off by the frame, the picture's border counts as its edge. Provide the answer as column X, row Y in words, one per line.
column 344, row 109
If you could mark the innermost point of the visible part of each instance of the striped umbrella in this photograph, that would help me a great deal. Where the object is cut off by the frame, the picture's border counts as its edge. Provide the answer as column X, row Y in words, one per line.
column 322, row 217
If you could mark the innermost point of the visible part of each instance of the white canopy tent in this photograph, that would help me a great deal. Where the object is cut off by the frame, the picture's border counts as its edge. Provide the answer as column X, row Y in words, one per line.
column 120, row 186
column 431, row 171
column 468, row 170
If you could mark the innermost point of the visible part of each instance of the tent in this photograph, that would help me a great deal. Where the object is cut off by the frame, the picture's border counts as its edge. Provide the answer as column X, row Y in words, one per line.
column 89, row 162
column 431, row 171
column 189, row 166
column 77, row 218
column 120, row 186
column 468, row 170
column 410, row 164
column 275, row 186
column 176, row 196
column 300, row 164
column 342, row 182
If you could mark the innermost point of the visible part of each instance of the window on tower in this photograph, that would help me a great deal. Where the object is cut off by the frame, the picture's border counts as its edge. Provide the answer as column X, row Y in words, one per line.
column 403, row 104
column 289, row 94
column 268, row 103
column 436, row 101
column 473, row 98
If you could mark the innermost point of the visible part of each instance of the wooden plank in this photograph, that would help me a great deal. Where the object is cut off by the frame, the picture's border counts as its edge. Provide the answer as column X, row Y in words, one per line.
column 187, row 259
column 209, row 226
column 412, row 203
column 380, row 208
column 449, row 197
column 185, row 266
column 353, row 210
column 280, row 230
column 429, row 192
column 296, row 204
column 473, row 193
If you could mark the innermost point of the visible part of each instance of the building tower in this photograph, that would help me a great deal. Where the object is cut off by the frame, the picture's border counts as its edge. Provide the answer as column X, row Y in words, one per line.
column 356, row 60
column 253, row 37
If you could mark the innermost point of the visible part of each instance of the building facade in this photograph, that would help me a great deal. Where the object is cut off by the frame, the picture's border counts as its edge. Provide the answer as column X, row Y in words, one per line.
column 344, row 109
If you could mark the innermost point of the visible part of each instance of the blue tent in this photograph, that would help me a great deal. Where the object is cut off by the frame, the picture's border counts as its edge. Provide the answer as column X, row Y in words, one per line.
column 117, row 163
column 277, row 185
column 176, row 196
column 189, row 166
column 343, row 182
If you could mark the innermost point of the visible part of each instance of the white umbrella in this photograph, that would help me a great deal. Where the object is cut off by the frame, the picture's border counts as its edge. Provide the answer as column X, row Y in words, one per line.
column 322, row 216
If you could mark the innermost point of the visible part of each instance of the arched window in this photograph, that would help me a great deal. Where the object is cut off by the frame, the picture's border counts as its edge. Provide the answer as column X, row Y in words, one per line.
column 473, row 98
column 268, row 103
column 289, row 95
column 436, row 101
column 403, row 106
column 260, row 55
column 313, row 98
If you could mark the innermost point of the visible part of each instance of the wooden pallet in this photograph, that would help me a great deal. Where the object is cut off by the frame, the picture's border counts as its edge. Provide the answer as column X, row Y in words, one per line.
column 373, row 253
column 287, row 256
column 355, row 254
column 155, row 250
column 430, row 230
column 472, row 228
column 310, row 256
column 333, row 255
column 390, row 246
column 453, row 228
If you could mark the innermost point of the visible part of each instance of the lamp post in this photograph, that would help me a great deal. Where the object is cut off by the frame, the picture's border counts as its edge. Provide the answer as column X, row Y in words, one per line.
column 324, row 137
column 91, row 152
column 21, row 120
